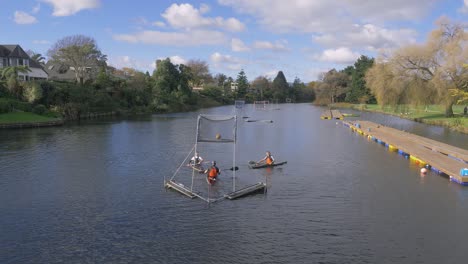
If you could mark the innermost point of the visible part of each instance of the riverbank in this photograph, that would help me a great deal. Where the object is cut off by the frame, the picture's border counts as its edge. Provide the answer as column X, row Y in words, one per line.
column 431, row 115
column 26, row 119
column 22, row 119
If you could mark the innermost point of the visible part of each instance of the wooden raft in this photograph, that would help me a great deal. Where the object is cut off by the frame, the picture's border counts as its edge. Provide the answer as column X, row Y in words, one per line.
column 442, row 158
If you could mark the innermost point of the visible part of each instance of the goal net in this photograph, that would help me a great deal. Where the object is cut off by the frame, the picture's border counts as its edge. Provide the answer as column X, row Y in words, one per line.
column 239, row 103
column 261, row 105
column 216, row 128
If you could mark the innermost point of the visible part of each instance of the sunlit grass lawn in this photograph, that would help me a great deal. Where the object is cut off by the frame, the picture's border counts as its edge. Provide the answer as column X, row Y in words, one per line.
column 23, row 117
column 432, row 114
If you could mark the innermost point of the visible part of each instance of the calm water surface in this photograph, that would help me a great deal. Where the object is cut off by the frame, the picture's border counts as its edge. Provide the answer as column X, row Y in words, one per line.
column 94, row 194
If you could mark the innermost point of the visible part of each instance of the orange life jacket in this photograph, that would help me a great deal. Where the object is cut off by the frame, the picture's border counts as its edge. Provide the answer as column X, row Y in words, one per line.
column 269, row 160
column 213, row 173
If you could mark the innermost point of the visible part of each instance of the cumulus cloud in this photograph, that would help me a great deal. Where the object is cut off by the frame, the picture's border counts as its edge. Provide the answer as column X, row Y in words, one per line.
column 226, row 61
column 369, row 36
column 71, row 7
column 23, row 18
column 464, row 8
column 189, row 38
column 238, row 45
column 341, row 55
column 277, row 46
column 186, row 16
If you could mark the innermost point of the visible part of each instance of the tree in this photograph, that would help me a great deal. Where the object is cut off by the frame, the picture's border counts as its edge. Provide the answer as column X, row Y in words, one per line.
column 431, row 72
column 297, row 89
column 358, row 91
column 280, row 87
column 77, row 51
column 37, row 57
column 242, row 84
column 261, row 84
column 200, row 71
column 10, row 75
column 333, row 87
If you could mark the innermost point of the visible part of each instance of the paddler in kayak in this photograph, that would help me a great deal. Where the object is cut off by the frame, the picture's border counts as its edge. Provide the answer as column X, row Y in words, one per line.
column 268, row 159
column 212, row 173
column 196, row 161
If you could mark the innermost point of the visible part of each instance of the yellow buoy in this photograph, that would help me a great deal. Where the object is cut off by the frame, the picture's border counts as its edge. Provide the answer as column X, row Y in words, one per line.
column 218, row 136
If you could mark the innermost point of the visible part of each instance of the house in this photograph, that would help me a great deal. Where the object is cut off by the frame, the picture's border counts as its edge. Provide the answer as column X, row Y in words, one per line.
column 59, row 72
column 14, row 55
column 234, row 86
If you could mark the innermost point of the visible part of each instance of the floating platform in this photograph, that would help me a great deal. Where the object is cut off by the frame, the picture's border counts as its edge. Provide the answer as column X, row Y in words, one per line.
column 179, row 187
column 326, row 115
column 246, row 191
column 449, row 160
column 332, row 114
column 336, row 114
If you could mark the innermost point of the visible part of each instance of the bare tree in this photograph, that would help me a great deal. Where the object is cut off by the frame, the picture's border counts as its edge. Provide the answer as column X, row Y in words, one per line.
column 78, row 52
column 200, row 71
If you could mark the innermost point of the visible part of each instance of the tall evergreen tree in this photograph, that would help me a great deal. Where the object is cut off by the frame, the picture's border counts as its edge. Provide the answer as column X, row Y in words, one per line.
column 280, row 87
column 359, row 93
column 242, row 84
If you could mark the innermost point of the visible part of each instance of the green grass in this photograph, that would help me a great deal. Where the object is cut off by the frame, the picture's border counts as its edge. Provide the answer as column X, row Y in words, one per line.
column 23, row 117
column 431, row 114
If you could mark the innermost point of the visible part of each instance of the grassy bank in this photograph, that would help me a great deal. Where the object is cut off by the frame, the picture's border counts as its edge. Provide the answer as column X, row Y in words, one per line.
column 23, row 117
column 431, row 114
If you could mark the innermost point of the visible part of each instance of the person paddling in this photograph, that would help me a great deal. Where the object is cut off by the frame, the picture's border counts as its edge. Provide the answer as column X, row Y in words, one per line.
column 268, row 159
column 196, row 160
column 212, row 173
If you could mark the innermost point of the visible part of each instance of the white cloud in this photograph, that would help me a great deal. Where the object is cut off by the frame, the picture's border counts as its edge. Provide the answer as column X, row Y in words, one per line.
column 24, row 18
column 190, row 38
column 271, row 74
column 226, row 61
column 464, row 8
column 238, row 45
column 185, row 16
column 277, row 46
column 36, row 8
column 369, row 36
column 326, row 15
column 126, row 61
column 341, row 55
column 176, row 59
column 41, row 42
column 70, row 7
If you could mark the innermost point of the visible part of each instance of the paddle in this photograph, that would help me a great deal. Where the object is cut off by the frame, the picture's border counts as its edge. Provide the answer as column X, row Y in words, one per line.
column 233, row 168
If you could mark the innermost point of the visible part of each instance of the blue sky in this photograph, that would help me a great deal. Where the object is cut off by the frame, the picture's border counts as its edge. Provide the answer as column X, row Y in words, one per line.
column 300, row 37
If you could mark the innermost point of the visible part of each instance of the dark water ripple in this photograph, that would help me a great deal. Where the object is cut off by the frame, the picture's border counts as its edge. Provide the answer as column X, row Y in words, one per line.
column 93, row 194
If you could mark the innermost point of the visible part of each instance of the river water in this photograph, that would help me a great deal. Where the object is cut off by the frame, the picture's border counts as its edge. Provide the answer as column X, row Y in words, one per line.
column 94, row 193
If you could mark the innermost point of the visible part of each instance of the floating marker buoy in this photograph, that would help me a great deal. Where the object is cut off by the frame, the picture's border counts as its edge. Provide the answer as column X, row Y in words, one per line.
column 423, row 171
column 218, row 136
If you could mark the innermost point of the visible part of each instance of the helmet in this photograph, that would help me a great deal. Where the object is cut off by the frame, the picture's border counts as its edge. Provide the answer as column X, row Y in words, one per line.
column 213, row 162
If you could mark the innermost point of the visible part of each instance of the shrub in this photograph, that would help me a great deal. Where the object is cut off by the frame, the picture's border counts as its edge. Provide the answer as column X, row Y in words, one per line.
column 5, row 106
column 39, row 109
column 32, row 92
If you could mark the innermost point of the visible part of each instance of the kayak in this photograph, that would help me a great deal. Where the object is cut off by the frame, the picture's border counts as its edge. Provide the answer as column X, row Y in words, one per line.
column 260, row 166
column 210, row 180
column 198, row 168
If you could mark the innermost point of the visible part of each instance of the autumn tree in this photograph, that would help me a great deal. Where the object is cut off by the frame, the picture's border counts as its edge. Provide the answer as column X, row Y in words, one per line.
column 431, row 72
column 262, row 85
column 333, row 86
column 200, row 72
column 78, row 52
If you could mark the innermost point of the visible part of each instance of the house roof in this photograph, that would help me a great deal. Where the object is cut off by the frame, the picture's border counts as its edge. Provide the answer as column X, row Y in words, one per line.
column 14, row 51
column 55, row 74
